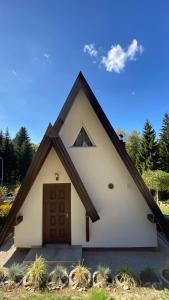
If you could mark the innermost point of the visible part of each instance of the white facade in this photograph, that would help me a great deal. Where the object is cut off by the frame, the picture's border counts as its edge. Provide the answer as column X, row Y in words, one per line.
column 122, row 210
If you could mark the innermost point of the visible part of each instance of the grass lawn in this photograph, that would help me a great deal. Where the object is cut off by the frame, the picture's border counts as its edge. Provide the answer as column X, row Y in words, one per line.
column 68, row 294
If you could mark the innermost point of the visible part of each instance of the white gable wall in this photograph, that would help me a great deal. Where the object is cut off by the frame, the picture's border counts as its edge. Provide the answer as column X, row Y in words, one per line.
column 122, row 210
column 29, row 232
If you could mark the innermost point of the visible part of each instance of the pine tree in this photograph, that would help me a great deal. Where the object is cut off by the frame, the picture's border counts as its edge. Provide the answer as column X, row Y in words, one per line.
column 133, row 145
column 1, row 157
column 24, row 152
column 1, row 142
column 164, row 145
column 9, row 159
column 21, row 137
column 148, row 153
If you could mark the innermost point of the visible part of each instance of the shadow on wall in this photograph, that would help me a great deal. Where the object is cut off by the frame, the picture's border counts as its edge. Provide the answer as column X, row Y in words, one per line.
column 7, row 244
column 9, row 254
column 18, row 257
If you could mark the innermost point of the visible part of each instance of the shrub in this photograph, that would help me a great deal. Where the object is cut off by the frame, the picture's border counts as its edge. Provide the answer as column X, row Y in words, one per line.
column 102, row 277
column 3, row 272
column 16, row 272
column 125, row 278
column 148, row 275
column 98, row 295
column 80, row 276
column 37, row 273
column 3, row 192
column 59, row 275
column 4, row 209
column 104, row 273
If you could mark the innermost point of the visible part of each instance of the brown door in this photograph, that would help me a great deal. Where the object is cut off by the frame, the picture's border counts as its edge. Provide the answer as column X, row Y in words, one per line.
column 56, row 213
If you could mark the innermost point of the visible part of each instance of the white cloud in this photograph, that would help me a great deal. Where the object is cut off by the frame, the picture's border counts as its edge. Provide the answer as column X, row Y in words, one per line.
column 133, row 49
column 90, row 49
column 47, row 58
column 117, row 57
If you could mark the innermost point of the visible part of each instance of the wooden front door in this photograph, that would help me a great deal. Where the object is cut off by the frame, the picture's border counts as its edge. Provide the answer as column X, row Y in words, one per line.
column 57, row 213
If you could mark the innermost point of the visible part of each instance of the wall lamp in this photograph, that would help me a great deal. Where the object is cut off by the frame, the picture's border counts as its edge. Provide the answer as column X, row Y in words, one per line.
column 57, row 176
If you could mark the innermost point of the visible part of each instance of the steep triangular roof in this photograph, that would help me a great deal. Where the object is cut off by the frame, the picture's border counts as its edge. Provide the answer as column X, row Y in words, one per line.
column 81, row 84
column 49, row 140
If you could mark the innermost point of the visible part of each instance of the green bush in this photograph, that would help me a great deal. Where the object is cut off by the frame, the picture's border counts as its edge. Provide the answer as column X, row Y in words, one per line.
column 57, row 274
column 16, row 272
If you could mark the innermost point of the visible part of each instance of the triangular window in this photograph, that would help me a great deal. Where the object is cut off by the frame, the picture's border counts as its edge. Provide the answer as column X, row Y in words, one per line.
column 83, row 139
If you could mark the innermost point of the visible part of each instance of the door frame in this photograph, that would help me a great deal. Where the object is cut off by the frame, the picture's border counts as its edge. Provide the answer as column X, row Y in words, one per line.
column 43, row 212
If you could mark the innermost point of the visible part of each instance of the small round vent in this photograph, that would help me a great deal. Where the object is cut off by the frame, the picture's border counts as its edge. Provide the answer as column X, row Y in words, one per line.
column 110, row 186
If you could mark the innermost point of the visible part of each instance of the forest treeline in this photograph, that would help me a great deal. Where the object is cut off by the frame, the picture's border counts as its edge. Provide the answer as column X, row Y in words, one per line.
column 146, row 151
column 17, row 155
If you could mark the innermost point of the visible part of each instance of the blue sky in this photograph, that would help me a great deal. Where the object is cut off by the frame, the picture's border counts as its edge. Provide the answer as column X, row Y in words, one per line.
column 42, row 50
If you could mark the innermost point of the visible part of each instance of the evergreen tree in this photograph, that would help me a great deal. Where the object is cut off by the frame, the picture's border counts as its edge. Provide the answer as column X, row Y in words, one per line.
column 1, row 157
column 24, row 152
column 8, row 159
column 133, row 145
column 148, row 153
column 21, row 137
column 164, row 145
column 1, row 142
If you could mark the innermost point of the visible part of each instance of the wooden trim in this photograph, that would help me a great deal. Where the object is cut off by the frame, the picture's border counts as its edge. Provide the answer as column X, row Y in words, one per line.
column 82, row 84
column 87, row 229
column 74, row 177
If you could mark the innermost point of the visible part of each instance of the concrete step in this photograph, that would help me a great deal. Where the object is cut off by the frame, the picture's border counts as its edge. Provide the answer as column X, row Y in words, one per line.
column 56, row 254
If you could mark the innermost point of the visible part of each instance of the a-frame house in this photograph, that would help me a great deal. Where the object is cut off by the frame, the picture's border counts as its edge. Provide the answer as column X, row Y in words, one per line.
column 82, row 188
